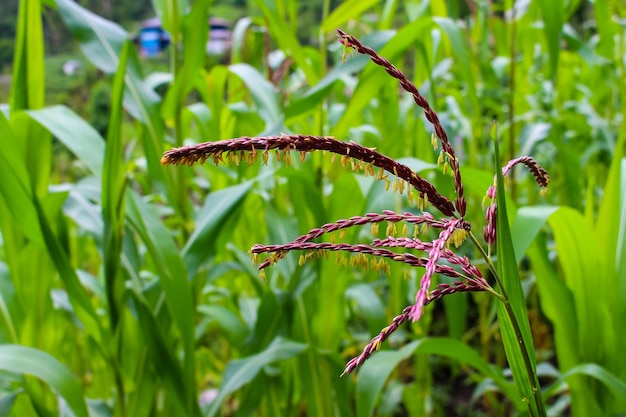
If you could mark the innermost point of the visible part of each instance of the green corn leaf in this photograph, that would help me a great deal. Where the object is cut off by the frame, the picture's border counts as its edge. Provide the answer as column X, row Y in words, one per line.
column 305, row 196
column 528, row 222
column 285, row 38
column 6, row 403
column 28, row 92
column 346, row 11
column 372, row 78
column 271, row 319
column 310, row 316
column 376, row 370
column 369, row 305
column 580, row 259
column 201, row 115
column 100, row 40
column 169, row 12
column 12, row 314
column 514, row 325
column 27, row 84
column 218, row 208
column 242, row 371
column 29, row 361
column 262, row 91
column 172, row 273
column 553, row 26
column 606, row 26
column 616, row 386
column 312, row 98
column 165, row 363
column 77, row 135
column 226, row 320
column 113, row 184
column 195, row 36
column 460, row 50
column 77, row 294
column 557, row 302
column 610, row 226
column 15, row 187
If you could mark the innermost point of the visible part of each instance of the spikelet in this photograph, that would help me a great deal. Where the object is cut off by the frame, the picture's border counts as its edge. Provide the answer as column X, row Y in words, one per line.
column 458, row 237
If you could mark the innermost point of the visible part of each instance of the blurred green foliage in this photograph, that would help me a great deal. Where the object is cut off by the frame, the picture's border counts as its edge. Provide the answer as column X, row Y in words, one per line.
column 125, row 286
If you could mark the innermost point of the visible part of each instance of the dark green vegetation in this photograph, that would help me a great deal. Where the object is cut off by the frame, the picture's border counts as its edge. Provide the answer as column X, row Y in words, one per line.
column 126, row 288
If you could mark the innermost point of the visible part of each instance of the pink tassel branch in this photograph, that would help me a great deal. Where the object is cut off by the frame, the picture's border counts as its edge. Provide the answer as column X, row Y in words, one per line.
column 436, row 257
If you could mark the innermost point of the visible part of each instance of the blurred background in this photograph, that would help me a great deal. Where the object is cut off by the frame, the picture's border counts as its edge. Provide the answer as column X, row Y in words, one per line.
column 126, row 288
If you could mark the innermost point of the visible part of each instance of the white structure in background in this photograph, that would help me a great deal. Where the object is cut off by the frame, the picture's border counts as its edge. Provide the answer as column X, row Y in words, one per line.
column 220, row 37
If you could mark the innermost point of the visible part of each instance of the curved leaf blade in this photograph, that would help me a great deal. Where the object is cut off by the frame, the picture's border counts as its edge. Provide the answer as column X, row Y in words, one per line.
column 374, row 373
column 100, row 40
column 30, row 361
column 242, row 371
column 218, row 207
column 76, row 134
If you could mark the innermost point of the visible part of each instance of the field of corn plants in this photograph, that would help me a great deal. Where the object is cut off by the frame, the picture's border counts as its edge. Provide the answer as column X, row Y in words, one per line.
column 419, row 211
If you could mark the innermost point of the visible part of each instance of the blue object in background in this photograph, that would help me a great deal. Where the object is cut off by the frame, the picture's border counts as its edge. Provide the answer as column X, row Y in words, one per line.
column 152, row 38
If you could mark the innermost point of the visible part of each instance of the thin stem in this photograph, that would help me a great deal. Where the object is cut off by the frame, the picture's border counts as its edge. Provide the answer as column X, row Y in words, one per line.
column 485, row 256
column 516, row 327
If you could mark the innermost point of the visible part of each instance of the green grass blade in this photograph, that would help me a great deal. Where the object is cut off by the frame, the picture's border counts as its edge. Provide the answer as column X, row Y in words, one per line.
column 30, row 361
column 606, row 27
column 553, row 26
column 164, row 361
column 77, row 294
column 195, row 36
column 607, row 226
column 580, row 258
column 346, row 11
column 15, row 187
column 27, row 84
column 28, row 92
column 113, row 185
column 169, row 11
column 557, row 303
column 285, row 38
column 513, row 319
column 172, row 274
